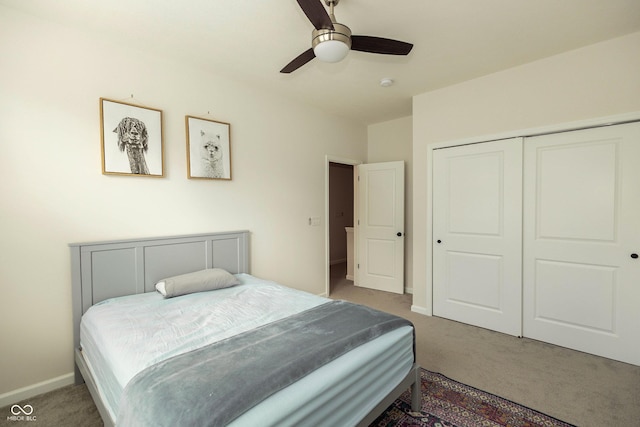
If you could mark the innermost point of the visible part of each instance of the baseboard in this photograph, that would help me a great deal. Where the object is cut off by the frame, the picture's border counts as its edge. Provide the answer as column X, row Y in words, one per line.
column 24, row 393
column 420, row 310
column 350, row 277
column 338, row 261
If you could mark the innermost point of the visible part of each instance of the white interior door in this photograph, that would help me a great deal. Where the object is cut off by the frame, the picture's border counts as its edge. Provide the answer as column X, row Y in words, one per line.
column 477, row 231
column 380, row 226
column 581, row 229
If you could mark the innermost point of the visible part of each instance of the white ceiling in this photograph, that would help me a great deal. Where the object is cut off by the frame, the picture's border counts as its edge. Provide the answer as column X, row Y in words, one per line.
column 251, row 40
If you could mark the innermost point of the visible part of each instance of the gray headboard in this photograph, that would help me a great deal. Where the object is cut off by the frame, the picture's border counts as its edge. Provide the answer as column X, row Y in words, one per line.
column 101, row 270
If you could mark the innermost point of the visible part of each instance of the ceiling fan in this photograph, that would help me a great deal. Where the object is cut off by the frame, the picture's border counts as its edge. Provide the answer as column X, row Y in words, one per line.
column 331, row 41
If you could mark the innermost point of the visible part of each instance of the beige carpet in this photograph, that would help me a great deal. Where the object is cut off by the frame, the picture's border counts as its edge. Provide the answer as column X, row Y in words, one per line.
column 70, row 406
column 581, row 389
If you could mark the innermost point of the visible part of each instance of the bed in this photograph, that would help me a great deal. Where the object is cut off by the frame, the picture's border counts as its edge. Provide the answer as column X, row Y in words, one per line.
column 114, row 289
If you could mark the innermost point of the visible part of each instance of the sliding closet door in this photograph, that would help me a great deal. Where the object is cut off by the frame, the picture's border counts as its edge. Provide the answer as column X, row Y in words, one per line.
column 477, row 223
column 581, row 271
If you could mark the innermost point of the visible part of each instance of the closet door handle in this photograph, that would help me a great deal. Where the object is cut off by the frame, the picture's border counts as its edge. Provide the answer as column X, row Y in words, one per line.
column 634, row 256
column 439, row 241
column 399, row 234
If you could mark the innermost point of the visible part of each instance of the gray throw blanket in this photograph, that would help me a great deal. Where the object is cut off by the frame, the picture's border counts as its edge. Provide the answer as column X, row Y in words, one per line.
column 213, row 385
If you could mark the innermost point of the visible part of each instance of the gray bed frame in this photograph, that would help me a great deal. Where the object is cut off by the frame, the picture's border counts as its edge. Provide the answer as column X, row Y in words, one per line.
column 107, row 269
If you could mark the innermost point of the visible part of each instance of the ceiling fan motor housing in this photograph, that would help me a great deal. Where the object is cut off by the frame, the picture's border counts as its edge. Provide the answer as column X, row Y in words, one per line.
column 323, row 38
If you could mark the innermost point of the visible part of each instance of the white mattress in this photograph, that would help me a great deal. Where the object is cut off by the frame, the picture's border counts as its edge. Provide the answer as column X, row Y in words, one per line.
column 122, row 336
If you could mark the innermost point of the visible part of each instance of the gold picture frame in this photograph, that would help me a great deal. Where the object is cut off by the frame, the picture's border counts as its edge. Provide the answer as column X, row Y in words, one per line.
column 208, row 148
column 131, row 139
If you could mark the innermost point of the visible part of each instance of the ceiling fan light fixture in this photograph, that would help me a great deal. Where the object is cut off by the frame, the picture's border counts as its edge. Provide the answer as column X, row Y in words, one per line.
column 331, row 51
column 332, row 45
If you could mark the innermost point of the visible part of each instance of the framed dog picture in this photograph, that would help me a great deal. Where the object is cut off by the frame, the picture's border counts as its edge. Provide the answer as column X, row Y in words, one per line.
column 208, row 149
column 131, row 138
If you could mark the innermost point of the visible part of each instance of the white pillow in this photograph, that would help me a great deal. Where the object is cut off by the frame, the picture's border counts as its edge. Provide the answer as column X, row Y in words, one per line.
column 198, row 281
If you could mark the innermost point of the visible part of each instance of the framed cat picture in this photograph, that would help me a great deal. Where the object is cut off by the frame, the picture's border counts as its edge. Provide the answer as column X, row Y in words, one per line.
column 208, row 148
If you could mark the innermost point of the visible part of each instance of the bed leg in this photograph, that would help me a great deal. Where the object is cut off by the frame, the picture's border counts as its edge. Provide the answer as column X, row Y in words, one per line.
column 416, row 392
column 77, row 375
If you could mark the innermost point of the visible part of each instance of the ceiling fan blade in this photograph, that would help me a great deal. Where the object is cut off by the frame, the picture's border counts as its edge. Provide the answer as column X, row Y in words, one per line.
column 380, row 45
column 302, row 59
column 316, row 13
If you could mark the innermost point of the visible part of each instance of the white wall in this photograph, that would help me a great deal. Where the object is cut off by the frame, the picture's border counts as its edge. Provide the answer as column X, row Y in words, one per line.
column 390, row 141
column 595, row 81
column 53, row 192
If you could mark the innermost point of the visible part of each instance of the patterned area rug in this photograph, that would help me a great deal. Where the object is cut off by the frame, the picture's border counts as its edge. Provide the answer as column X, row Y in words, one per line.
column 448, row 403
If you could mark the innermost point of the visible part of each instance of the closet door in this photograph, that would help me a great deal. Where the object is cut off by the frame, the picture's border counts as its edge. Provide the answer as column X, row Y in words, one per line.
column 477, row 223
column 581, row 273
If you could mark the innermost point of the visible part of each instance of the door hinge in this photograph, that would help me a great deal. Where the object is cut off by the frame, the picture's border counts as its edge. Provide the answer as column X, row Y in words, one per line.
column 358, row 266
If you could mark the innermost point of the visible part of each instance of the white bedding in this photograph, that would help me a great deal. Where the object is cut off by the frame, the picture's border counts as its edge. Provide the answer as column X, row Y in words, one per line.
column 122, row 336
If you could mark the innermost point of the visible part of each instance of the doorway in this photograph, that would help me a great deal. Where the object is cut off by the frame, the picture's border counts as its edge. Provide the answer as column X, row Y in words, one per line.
column 339, row 217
